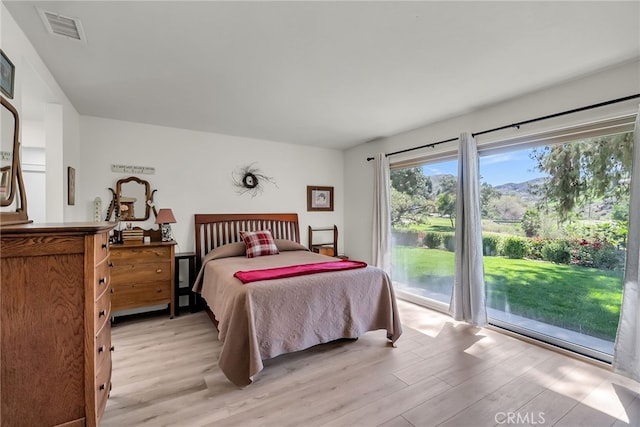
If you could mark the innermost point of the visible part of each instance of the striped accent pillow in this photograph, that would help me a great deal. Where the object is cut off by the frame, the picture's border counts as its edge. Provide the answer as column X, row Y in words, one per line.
column 259, row 243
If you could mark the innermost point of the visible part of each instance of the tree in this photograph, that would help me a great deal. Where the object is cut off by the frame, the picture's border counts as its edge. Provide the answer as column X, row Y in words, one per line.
column 584, row 170
column 620, row 211
column 406, row 209
column 410, row 192
column 509, row 208
column 487, row 193
column 411, row 181
column 448, row 184
column 446, row 205
column 531, row 223
column 446, row 199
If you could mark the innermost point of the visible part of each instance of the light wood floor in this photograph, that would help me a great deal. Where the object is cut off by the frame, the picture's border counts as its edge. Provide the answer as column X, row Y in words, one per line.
column 442, row 373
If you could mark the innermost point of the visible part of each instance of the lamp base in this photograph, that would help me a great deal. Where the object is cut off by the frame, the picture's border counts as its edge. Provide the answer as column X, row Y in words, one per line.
column 166, row 232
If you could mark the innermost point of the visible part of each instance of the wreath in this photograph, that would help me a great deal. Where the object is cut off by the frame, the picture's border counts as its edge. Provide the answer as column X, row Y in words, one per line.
column 248, row 179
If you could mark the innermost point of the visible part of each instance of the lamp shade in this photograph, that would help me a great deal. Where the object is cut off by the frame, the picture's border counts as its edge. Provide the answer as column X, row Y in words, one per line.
column 165, row 216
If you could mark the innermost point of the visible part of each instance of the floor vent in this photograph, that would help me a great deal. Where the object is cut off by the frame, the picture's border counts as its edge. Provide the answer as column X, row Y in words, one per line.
column 62, row 25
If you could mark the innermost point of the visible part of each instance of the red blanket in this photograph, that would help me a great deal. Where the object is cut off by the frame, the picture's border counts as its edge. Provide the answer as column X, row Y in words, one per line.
column 297, row 270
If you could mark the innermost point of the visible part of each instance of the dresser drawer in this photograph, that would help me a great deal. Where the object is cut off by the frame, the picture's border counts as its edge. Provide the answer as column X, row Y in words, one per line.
column 139, row 254
column 101, row 280
column 103, row 348
column 133, row 295
column 102, row 311
column 101, row 248
column 140, row 272
column 103, row 387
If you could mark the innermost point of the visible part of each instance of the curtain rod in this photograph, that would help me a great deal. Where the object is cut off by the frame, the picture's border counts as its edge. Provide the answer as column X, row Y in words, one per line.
column 518, row 124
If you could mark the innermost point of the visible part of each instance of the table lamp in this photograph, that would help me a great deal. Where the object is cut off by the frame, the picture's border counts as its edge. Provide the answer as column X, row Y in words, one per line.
column 165, row 218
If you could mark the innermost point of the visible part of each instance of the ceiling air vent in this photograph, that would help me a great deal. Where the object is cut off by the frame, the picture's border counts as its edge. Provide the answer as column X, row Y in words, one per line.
column 62, row 25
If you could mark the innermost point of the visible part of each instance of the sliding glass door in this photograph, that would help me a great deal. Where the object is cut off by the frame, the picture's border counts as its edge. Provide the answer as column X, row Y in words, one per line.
column 554, row 232
column 554, row 221
column 423, row 206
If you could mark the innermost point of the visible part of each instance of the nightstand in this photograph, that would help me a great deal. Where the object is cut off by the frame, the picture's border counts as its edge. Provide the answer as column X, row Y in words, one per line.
column 142, row 275
column 185, row 290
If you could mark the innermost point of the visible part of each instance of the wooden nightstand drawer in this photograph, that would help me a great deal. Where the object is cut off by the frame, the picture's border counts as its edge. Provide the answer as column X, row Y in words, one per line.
column 151, row 272
column 140, row 254
column 132, row 295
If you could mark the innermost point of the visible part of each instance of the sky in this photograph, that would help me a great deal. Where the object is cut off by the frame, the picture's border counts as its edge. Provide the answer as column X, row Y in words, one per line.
column 496, row 169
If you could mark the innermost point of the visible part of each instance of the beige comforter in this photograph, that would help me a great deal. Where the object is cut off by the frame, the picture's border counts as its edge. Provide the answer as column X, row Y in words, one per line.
column 261, row 320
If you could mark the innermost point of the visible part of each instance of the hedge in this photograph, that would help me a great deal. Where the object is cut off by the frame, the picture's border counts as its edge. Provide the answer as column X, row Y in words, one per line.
column 515, row 247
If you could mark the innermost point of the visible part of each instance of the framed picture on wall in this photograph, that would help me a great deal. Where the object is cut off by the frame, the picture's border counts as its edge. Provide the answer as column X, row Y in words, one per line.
column 7, row 75
column 319, row 198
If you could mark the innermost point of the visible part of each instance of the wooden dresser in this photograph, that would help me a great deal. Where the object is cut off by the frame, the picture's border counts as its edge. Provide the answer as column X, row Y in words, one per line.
column 143, row 275
column 55, row 337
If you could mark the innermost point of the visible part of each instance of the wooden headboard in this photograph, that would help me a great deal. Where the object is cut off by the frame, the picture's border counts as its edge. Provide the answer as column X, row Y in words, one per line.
column 213, row 230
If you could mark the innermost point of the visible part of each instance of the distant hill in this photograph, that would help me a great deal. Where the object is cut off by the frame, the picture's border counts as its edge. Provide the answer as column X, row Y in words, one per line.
column 521, row 189
column 597, row 209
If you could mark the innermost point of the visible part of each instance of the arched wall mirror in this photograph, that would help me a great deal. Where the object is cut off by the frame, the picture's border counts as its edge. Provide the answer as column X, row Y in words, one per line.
column 133, row 199
column 13, row 200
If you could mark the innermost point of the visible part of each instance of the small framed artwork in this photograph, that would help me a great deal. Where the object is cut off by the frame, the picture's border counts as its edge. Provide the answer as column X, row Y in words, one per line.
column 5, row 184
column 319, row 198
column 71, row 186
column 7, row 75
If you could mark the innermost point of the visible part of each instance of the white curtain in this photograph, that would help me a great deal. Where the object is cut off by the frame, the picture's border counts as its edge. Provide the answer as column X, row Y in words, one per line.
column 468, row 298
column 381, row 213
column 626, row 358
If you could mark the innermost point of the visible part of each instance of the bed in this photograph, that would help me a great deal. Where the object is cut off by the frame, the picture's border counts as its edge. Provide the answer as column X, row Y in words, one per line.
column 262, row 319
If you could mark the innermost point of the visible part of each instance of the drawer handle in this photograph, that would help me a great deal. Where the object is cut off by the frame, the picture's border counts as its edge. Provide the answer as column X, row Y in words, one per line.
column 100, row 349
column 111, row 290
column 113, row 348
column 102, row 387
column 110, row 265
column 102, row 280
column 102, row 313
column 104, row 246
column 159, row 270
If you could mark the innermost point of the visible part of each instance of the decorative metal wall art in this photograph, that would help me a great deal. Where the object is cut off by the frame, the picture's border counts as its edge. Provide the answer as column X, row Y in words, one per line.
column 249, row 179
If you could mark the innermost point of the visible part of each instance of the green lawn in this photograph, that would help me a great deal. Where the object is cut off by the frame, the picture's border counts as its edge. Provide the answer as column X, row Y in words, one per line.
column 434, row 224
column 582, row 299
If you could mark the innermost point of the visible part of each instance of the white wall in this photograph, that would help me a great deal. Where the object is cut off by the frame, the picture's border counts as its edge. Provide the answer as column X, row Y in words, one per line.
column 34, row 176
column 193, row 170
column 193, row 173
column 34, row 84
column 615, row 82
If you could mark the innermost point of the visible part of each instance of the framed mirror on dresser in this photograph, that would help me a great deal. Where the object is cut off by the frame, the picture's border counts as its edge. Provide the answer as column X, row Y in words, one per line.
column 13, row 199
column 132, row 200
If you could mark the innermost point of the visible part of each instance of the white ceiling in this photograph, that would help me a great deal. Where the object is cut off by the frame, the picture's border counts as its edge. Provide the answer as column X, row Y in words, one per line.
column 329, row 74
